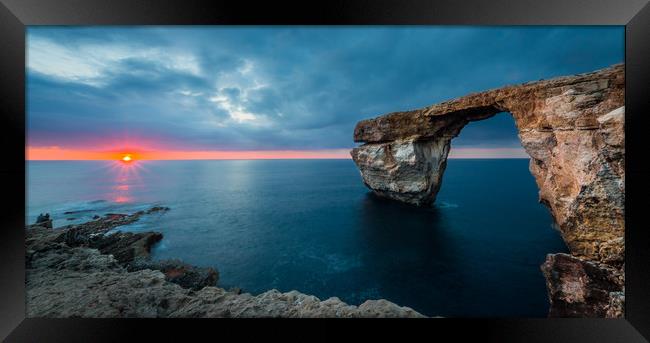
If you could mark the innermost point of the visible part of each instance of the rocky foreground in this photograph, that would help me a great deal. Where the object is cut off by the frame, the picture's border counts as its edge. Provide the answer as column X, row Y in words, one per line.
column 87, row 270
column 573, row 129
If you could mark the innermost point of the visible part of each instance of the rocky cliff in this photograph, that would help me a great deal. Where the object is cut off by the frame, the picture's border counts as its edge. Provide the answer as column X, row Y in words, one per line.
column 86, row 270
column 573, row 129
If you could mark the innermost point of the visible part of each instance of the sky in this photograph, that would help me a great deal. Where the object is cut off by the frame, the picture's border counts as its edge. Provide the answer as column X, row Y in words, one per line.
column 165, row 92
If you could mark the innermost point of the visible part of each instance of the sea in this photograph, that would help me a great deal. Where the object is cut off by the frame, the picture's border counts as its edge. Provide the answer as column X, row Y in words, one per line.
column 312, row 226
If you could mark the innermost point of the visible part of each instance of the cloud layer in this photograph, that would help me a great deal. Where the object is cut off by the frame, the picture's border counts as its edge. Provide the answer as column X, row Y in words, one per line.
column 280, row 88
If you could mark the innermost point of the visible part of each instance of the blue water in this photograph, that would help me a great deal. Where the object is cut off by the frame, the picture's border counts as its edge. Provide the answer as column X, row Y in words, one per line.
column 311, row 225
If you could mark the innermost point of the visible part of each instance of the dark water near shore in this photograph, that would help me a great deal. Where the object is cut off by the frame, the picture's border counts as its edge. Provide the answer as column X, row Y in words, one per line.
column 311, row 225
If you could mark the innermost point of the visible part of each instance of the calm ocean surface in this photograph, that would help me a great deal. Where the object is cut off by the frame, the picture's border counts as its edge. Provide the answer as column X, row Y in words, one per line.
column 312, row 226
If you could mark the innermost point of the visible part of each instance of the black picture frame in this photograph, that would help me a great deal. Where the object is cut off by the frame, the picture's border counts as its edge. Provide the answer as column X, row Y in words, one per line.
column 15, row 15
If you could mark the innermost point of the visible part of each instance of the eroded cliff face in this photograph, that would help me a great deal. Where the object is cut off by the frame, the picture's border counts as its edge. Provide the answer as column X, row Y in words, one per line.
column 573, row 129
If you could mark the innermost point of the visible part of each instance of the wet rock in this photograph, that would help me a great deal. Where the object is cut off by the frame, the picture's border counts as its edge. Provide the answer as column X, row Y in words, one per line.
column 44, row 220
column 157, row 209
column 126, row 247
column 178, row 272
column 76, row 211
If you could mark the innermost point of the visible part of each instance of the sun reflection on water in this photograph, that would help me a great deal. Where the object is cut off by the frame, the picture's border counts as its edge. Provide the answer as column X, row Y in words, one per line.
column 126, row 176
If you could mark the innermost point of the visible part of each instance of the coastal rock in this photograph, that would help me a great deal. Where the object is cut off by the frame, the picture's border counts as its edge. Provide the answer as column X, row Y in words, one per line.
column 44, row 220
column 126, row 247
column 579, row 288
column 406, row 170
column 572, row 127
column 93, row 285
column 94, row 278
column 39, row 240
column 178, row 272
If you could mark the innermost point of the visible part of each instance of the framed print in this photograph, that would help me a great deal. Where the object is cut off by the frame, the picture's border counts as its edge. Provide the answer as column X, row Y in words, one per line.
column 473, row 169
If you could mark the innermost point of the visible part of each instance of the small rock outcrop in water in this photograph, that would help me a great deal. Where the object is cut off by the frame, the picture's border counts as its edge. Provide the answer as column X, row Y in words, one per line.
column 126, row 247
column 44, row 220
column 572, row 128
column 81, row 271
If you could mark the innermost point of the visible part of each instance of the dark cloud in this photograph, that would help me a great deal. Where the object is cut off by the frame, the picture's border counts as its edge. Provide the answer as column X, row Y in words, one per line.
column 279, row 87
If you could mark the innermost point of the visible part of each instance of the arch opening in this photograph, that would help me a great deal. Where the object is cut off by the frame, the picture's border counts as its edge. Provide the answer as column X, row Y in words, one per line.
column 573, row 130
column 490, row 199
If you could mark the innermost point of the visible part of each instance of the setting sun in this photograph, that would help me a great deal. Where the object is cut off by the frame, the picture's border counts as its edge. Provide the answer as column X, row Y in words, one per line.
column 127, row 158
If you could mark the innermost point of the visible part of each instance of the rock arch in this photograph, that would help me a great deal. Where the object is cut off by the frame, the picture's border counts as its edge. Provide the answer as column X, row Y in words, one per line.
column 572, row 127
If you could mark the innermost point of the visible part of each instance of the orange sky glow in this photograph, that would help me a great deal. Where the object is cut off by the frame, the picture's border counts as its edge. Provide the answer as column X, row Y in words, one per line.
column 57, row 153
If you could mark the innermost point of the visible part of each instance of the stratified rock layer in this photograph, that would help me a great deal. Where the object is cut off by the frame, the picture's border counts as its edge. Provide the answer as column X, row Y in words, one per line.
column 572, row 127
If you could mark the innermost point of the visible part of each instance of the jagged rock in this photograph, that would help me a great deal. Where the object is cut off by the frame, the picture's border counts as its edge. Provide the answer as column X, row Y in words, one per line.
column 39, row 240
column 178, row 272
column 126, row 246
column 579, row 288
column 64, row 281
column 78, row 271
column 616, row 306
column 215, row 302
column 157, row 209
column 235, row 290
column 44, row 220
column 76, row 211
column 572, row 127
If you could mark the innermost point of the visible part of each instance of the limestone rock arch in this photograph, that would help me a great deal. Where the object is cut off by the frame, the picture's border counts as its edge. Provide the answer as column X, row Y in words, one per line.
column 572, row 127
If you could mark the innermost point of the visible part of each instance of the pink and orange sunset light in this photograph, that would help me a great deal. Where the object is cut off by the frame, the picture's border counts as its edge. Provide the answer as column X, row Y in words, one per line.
column 56, row 153
column 142, row 92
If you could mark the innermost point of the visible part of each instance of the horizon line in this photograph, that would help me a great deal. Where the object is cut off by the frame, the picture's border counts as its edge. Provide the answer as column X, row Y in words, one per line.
column 254, row 159
column 55, row 153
